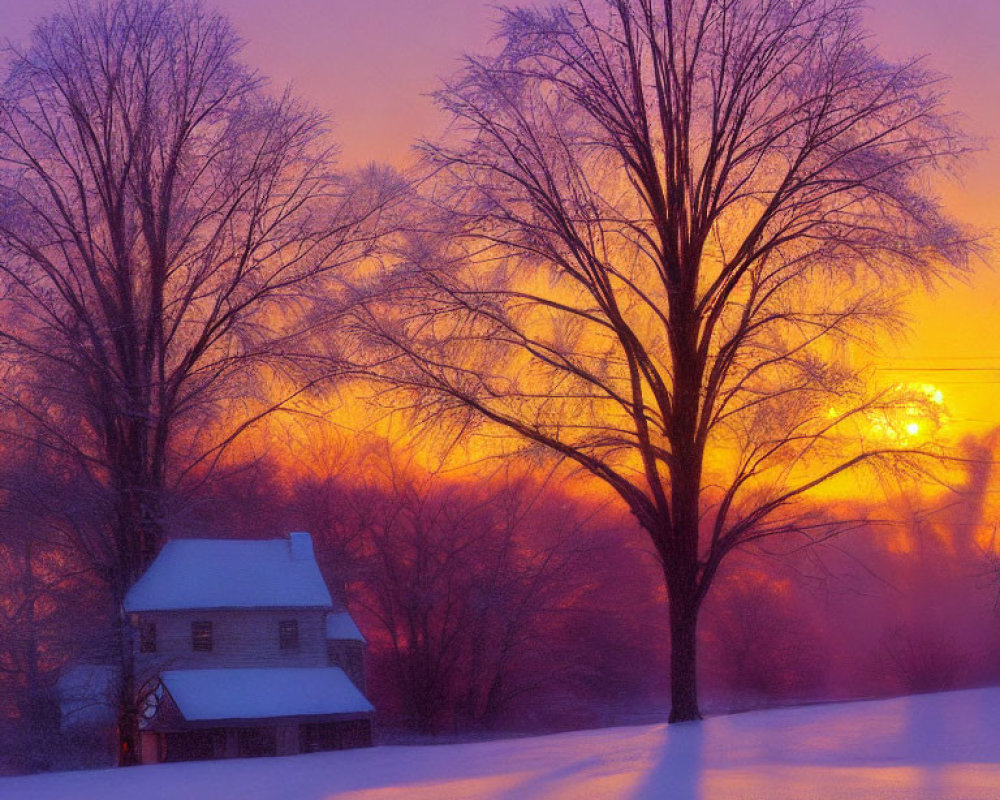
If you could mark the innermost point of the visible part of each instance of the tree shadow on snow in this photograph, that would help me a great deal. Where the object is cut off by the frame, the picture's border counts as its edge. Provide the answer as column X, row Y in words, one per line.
column 675, row 773
column 925, row 742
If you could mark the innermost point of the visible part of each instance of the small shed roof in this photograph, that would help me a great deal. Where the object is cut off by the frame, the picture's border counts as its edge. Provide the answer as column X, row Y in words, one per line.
column 231, row 573
column 340, row 625
column 219, row 694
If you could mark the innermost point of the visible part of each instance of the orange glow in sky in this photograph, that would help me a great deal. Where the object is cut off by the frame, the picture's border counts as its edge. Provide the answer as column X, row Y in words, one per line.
column 371, row 64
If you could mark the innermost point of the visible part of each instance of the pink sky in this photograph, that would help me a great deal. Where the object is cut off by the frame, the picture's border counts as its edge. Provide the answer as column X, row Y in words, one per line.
column 369, row 64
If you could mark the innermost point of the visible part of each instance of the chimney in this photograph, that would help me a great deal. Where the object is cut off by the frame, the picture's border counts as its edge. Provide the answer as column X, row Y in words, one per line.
column 301, row 545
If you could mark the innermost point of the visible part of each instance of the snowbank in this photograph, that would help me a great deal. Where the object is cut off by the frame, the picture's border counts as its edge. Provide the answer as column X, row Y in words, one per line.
column 932, row 747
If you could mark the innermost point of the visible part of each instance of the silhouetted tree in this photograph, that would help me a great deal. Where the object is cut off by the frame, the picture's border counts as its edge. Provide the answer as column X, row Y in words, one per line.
column 763, row 641
column 665, row 226
column 47, row 596
column 164, row 224
column 467, row 588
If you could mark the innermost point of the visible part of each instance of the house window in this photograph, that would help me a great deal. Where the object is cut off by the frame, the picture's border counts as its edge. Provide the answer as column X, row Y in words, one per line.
column 147, row 637
column 288, row 634
column 201, row 636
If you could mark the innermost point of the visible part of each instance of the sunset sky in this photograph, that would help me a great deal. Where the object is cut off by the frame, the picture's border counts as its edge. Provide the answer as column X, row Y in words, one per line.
column 574, row 400
column 370, row 65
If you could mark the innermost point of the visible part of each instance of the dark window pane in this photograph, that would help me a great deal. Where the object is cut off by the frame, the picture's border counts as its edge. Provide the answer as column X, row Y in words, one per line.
column 147, row 637
column 201, row 636
column 288, row 634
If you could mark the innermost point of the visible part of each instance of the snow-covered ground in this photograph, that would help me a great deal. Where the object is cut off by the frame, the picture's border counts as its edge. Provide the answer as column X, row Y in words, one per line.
column 932, row 747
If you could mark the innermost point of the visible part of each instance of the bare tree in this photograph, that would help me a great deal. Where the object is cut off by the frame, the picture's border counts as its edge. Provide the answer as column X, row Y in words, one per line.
column 753, row 639
column 668, row 225
column 164, row 224
column 46, row 610
column 466, row 587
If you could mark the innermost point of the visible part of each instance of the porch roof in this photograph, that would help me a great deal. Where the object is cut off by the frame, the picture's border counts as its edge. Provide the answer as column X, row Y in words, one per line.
column 209, row 694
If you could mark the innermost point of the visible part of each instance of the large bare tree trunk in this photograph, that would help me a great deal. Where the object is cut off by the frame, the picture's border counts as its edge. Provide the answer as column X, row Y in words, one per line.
column 684, row 609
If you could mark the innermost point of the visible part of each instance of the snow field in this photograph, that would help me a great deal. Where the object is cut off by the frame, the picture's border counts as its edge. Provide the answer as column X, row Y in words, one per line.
column 930, row 747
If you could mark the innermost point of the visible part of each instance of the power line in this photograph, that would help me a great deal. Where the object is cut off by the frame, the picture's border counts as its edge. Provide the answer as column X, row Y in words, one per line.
column 939, row 369
column 944, row 358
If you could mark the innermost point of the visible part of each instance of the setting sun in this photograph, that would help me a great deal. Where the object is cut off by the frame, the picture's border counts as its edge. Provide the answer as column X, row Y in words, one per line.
column 918, row 410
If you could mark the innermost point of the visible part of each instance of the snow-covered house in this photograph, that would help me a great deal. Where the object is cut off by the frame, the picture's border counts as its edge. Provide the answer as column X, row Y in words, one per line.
column 241, row 651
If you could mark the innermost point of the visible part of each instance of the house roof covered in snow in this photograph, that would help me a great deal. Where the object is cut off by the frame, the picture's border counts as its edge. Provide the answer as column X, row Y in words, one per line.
column 230, row 573
column 340, row 625
column 222, row 694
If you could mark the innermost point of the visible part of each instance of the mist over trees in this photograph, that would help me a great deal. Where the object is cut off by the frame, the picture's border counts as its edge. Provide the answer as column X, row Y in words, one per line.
column 615, row 310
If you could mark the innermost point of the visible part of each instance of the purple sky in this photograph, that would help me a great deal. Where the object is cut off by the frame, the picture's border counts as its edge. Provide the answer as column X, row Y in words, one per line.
column 369, row 63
